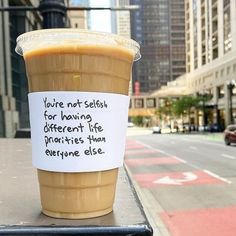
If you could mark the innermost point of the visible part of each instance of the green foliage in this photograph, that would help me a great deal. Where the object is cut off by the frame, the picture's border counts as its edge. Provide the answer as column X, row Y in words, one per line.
column 203, row 99
column 137, row 120
column 166, row 109
column 184, row 104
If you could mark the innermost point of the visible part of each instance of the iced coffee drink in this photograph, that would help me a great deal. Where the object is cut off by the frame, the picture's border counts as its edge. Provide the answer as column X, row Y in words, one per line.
column 76, row 79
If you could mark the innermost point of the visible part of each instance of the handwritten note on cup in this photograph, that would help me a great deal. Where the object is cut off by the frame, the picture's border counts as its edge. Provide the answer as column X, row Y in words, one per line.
column 78, row 131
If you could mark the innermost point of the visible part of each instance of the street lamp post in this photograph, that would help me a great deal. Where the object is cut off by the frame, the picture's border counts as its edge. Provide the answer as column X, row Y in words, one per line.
column 203, row 101
column 53, row 13
column 204, row 112
column 230, row 86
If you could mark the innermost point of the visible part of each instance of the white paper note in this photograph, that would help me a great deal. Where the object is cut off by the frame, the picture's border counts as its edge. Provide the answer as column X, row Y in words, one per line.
column 78, row 131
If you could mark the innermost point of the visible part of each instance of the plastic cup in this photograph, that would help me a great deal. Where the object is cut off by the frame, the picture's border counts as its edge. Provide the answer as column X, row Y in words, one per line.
column 81, row 61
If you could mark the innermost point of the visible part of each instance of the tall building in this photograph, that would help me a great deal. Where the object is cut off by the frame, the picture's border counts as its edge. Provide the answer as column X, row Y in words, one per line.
column 211, row 55
column 13, row 82
column 123, row 19
column 209, row 31
column 113, row 17
column 120, row 24
column 78, row 19
column 159, row 27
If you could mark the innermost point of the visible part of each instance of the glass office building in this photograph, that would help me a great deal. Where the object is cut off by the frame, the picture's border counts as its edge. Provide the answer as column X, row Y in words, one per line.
column 159, row 27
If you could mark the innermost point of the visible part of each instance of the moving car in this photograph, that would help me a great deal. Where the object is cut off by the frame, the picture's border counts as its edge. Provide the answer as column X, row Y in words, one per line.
column 230, row 134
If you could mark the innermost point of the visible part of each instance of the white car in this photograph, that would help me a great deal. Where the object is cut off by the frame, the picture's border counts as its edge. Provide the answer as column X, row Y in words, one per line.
column 166, row 130
column 156, row 130
column 130, row 124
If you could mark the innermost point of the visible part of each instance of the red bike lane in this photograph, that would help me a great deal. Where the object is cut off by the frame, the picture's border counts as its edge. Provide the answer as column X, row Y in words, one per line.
column 205, row 220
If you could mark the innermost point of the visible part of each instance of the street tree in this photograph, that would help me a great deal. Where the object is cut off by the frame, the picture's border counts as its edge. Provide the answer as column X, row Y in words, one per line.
column 165, row 109
column 184, row 105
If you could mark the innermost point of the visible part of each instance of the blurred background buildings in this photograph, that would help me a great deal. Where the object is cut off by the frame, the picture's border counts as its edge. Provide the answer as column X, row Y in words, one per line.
column 188, row 48
column 13, row 82
column 210, row 39
column 159, row 28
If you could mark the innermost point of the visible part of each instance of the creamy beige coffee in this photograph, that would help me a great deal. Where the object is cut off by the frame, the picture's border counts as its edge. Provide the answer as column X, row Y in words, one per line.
column 74, row 66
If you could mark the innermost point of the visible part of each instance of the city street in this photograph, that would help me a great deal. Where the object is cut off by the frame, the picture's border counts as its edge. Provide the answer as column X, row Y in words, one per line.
column 186, row 182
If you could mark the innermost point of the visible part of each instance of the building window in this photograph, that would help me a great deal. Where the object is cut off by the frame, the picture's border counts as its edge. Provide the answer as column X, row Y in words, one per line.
column 226, row 3
column 203, row 59
column 151, row 103
column 188, row 68
column 227, row 30
column 195, row 32
column 214, row 26
column 221, row 91
column 138, row 103
column 234, row 91
column 214, row 40
column 214, row 8
column 234, row 68
column 222, row 72
column 215, row 53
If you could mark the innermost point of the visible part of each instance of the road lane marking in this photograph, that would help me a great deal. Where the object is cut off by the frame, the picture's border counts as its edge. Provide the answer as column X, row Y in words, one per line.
column 196, row 177
column 190, row 164
column 140, row 151
column 161, row 151
column 188, row 176
column 217, row 176
column 150, row 161
column 228, row 156
column 194, row 148
column 179, row 159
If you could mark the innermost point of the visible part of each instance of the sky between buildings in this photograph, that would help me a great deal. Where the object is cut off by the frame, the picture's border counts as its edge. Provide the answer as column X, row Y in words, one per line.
column 100, row 19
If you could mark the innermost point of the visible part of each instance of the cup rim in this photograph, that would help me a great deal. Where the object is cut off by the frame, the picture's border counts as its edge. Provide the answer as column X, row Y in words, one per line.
column 27, row 41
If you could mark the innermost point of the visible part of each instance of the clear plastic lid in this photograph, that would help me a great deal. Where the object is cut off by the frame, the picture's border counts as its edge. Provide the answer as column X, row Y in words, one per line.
column 55, row 37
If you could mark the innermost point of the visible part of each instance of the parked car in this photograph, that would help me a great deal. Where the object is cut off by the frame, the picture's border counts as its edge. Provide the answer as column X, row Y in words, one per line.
column 202, row 128
column 230, row 134
column 166, row 129
column 156, row 130
column 130, row 124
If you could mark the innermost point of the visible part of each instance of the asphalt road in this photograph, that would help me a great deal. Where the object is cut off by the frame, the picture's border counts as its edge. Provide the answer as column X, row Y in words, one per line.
column 187, row 183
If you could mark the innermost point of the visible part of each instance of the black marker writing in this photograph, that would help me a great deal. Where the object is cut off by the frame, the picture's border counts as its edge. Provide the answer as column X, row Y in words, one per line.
column 54, row 103
column 61, row 154
column 62, row 129
column 93, row 139
column 76, row 116
column 61, row 140
column 95, row 128
column 95, row 104
column 74, row 104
